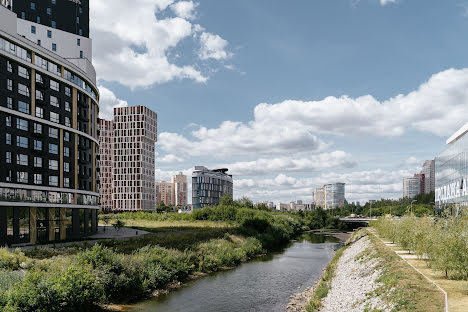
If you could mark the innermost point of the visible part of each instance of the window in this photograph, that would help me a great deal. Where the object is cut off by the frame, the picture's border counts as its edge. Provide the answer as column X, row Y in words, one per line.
column 22, row 177
column 8, row 139
column 10, row 84
column 9, row 67
column 53, row 1
column 9, row 102
column 39, row 78
column 37, row 178
column 66, row 136
column 23, row 72
column 66, row 151
column 81, row 54
column 37, row 128
column 67, row 106
column 54, row 117
column 54, row 85
column 38, row 42
column 23, row 15
column 33, row 5
column 8, row 157
column 8, row 121
column 67, row 91
column 53, row 148
column 22, row 142
column 54, row 47
column 22, row 159
column 23, row 107
column 22, row 89
column 78, row 42
column 66, row 167
column 22, row 124
column 52, row 24
column 81, row 32
column 37, row 145
column 66, row 182
column 53, row 133
column 38, row 19
column 8, row 177
column 77, row 19
column 39, row 112
column 39, row 95
column 53, row 164
column 33, row 29
column 49, row 11
column 67, row 122
column 54, row 101
column 53, row 180
column 38, row 162
column 49, row 34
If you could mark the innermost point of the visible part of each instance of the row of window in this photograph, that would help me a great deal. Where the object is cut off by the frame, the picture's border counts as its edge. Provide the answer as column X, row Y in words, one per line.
column 23, row 142
column 23, row 124
column 23, row 177
column 23, row 160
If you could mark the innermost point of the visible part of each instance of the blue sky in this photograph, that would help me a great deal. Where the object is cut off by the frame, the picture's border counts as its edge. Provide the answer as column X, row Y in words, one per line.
column 290, row 94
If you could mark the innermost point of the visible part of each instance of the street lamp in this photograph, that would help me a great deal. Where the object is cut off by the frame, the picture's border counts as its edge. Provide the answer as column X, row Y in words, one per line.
column 413, row 201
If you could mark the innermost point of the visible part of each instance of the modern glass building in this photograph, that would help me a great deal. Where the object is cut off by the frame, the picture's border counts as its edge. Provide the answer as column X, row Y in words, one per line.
column 208, row 186
column 451, row 172
column 329, row 196
column 48, row 128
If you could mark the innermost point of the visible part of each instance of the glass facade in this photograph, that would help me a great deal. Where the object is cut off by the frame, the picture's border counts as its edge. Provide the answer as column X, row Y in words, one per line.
column 451, row 166
column 208, row 186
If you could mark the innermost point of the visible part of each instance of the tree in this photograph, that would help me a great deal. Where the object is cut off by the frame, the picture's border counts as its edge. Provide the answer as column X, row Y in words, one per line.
column 226, row 200
column 118, row 225
column 106, row 219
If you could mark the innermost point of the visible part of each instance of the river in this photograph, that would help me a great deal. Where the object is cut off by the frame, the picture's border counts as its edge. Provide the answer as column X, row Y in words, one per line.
column 263, row 284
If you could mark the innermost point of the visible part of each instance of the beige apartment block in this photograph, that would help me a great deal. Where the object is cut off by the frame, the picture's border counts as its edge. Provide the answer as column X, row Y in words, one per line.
column 180, row 190
column 131, row 183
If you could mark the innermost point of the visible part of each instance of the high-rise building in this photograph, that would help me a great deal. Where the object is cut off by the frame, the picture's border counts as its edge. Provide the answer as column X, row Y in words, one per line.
column 180, row 190
column 165, row 193
column 133, row 168
column 330, row 196
column 422, row 182
column 208, row 186
column 411, row 187
column 106, row 163
column 48, row 124
column 429, row 172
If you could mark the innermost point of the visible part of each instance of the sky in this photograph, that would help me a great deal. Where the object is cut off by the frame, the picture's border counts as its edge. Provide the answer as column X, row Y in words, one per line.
column 289, row 95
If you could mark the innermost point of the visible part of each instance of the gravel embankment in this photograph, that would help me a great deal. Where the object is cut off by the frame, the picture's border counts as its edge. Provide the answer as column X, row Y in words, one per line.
column 353, row 281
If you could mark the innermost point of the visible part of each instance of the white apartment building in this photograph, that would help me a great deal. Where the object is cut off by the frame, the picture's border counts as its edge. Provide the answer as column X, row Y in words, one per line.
column 411, row 187
column 133, row 167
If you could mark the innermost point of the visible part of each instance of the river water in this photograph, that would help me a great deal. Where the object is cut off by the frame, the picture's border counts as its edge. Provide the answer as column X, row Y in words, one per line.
column 263, row 284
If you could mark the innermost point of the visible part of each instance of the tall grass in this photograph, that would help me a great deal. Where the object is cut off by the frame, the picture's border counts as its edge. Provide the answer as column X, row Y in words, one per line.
column 442, row 242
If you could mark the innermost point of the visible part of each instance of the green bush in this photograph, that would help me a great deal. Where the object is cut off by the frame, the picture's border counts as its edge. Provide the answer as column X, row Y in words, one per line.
column 11, row 260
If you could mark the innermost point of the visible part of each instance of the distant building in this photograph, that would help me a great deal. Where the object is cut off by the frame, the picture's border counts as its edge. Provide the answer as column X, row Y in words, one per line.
column 180, row 190
column 282, row 207
column 411, row 187
column 429, row 172
column 330, row 196
column 106, row 163
column 165, row 193
column 358, row 204
column 208, row 186
column 372, row 201
column 299, row 202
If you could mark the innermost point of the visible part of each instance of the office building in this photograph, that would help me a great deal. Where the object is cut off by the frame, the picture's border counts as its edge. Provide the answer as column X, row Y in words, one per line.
column 329, row 196
column 429, row 173
column 180, row 190
column 165, row 193
column 208, row 186
column 451, row 173
column 411, row 186
column 48, row 124
column 134, row 133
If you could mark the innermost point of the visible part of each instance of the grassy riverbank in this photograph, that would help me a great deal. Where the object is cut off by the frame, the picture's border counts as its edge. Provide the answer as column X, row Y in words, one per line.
column 399, row 286
column 85, row 278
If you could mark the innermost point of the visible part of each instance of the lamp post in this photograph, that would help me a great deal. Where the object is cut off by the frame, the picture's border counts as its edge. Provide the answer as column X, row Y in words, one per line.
column 413, row 201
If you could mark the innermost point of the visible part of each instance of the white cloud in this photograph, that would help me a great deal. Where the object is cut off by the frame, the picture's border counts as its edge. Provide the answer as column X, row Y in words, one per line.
column 385, row 2
column 132, row 47
column 107, row 102
column 262, row 166
column 169, row 158
column 213, row 46
column 185, row 9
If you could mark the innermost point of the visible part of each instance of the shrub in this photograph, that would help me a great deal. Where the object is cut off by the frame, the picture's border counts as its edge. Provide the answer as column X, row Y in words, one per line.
column 11, row 260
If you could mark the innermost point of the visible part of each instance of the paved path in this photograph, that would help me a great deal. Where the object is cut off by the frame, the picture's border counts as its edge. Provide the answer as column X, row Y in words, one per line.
column 110, row 233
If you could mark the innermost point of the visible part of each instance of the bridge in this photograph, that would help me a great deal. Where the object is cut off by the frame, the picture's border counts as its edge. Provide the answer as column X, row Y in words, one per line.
column 357, row 220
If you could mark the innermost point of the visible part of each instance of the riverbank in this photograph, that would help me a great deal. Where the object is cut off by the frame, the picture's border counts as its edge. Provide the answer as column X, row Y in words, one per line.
column 364, row 276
